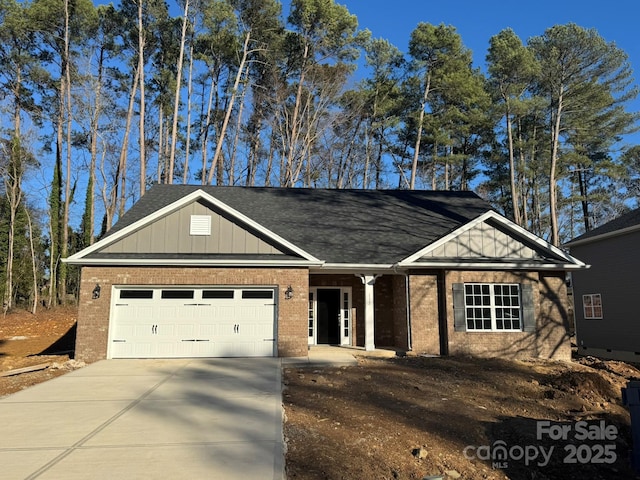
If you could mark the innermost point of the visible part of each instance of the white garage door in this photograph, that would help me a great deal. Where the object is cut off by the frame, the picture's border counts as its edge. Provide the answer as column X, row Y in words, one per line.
column 169, row 322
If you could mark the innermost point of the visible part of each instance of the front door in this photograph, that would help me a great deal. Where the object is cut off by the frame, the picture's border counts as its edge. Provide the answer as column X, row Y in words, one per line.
column 328, row 304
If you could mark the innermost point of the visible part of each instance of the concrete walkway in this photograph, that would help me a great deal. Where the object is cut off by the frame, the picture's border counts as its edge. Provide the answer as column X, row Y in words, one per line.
column 323, row 356
column 148, row 419
column 335, row 356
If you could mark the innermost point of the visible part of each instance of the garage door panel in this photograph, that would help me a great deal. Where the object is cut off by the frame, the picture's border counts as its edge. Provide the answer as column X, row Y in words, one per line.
column 142, row 330
column 207, row 330
column 142, row 349
column 210, row 323
column 225, row 313
column 184, row 330
column 166, row 349
column 169, row 313
column 121, row 350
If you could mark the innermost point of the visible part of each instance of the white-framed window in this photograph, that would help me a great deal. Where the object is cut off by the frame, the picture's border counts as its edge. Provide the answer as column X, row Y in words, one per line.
column 592, row 306
column 492, row 307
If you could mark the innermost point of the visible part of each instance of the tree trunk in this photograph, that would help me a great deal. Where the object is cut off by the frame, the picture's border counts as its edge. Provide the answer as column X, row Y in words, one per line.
column 225, row 123
column 512, row 167
column 204, row 143
column 13, row 188
column 142, row 139
column 236, row 139
column 176, row 103
column 64, row 247
column 93, row 146
column 555, row 141
column 34, row 270
column 288, row 180
column 584, row 199
column 120, row 176
column 160, row 177
column 185, row 174
column 416, row 150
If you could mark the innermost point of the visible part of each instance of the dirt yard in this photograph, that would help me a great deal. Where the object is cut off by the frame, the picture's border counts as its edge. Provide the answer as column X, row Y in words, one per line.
column 411, row 417
column 44, row 339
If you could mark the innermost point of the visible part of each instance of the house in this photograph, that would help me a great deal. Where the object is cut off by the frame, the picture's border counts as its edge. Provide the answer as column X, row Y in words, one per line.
column 203, row 271
column 607, row 323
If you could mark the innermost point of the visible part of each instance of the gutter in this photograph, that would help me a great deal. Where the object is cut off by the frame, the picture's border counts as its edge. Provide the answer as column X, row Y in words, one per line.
column 497, row 266
column 189, row 262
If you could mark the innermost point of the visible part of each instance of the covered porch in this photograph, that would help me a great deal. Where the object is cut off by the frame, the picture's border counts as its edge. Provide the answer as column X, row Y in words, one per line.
column 360, row 310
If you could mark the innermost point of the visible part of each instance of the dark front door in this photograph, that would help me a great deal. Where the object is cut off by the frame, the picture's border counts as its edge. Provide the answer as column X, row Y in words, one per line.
column 329, row 316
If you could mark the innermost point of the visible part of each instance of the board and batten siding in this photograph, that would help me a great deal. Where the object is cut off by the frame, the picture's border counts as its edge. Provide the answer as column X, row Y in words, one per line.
column 483, row 241
column 615, row 264
column 171, row 234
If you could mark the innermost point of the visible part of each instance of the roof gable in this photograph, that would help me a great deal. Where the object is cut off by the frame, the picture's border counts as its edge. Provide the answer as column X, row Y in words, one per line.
column 164, row 235
column 489, row 240
column 171, row 233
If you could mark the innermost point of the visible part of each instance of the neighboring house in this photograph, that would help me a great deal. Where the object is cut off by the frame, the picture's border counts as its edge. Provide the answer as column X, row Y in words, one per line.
column 201, row 271
column 606, row 316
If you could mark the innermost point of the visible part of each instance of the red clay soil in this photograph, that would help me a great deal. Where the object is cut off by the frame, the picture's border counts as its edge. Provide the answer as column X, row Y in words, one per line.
column 48, row 337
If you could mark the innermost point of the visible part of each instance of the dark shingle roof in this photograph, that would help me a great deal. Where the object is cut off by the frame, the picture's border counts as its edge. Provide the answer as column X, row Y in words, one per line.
column 628, row 220
column 336, row 226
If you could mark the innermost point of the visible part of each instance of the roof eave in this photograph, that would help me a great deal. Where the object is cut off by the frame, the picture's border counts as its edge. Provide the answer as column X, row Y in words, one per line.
column 329, row 268
column 191, row 262
column 603, row 236
column 462, row 265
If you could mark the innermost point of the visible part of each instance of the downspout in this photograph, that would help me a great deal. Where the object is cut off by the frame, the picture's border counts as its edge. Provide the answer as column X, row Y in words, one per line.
column 408, row 304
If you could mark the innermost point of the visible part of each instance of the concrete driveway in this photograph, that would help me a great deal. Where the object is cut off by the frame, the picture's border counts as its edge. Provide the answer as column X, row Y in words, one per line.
column 148, row 419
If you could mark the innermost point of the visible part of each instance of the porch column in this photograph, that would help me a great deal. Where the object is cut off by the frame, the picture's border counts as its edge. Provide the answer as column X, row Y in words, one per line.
column 369, row 311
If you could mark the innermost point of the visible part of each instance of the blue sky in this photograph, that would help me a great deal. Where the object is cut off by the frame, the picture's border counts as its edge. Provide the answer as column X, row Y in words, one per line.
column 478, row 20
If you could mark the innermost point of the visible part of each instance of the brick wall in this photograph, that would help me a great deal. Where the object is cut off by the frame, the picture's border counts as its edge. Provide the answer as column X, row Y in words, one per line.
column 425, row 334
column 93, row 315
column 399, row 305
column 384, row 330
column 551, row 308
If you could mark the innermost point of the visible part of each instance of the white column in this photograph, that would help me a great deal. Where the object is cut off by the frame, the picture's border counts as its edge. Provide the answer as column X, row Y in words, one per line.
column 369, row 311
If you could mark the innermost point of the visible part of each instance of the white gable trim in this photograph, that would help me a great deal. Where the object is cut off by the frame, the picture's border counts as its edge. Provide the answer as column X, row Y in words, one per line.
column 513, row 227
column 197, row 195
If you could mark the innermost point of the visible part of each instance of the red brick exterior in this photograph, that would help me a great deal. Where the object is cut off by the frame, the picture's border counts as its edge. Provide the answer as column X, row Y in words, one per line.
column 93, row 315
column 423, row 294
column 431, row 308
column 550, row 340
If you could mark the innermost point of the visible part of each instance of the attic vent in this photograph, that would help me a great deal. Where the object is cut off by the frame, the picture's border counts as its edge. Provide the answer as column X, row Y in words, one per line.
column 200, row 225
